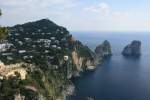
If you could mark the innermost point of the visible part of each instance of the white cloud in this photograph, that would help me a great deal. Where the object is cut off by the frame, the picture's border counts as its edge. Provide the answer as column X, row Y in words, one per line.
column 118, row 14
column 32, row 4
column 106, row 9
column 27, row 10
column 102, row 8
column 74, row 14
column 17, row 2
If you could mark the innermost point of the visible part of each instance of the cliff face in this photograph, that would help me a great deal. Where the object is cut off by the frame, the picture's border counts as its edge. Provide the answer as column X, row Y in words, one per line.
column 133, row 49
column 82, row 63
column 57, row 56
column 103, row 50
column 77, row 60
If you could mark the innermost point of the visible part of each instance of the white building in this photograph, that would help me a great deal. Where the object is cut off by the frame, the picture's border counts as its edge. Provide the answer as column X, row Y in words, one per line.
column 39, row 30
column 9, row 58
column 6, row 54
column 46, row 51
column 66, row 58
column 17, row 34
column 53, row 38
column 27, row 39
column 59, row 48
column 22, row 51
column 20, row 42
column 54, row 46
column 49, row 33
column 5, row 46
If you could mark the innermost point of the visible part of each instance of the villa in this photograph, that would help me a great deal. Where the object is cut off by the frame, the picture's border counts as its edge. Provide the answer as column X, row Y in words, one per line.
column 11, row 70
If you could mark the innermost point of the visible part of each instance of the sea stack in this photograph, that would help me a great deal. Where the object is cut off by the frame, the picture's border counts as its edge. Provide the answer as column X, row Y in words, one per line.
column 133, row 49
column 103, row 50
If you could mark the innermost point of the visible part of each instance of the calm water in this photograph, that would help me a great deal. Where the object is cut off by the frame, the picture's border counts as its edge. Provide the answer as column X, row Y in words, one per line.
column 118, row 78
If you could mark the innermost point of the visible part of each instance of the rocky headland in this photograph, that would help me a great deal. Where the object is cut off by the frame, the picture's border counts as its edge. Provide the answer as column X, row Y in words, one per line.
column 56, row 55
column 49, row 56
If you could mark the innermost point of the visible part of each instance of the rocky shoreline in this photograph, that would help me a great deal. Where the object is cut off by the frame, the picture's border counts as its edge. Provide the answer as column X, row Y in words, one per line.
column 56, row 56
column 105, row 50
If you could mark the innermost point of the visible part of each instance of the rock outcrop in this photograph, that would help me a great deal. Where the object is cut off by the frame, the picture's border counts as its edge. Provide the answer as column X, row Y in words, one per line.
column 103, row 50
column 82, row 63
column 133, row 49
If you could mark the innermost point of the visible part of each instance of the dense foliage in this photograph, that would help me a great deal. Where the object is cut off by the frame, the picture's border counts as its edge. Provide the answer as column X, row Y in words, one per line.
column 3, row 33
column 0, row 12
column 3, row 30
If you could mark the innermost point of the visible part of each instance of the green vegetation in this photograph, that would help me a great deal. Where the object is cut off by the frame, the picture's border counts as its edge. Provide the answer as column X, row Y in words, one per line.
column 10, row 87
column 0, row 12
column 49, row 83
column 84, row 51
column 51, row 74
column 3, row 31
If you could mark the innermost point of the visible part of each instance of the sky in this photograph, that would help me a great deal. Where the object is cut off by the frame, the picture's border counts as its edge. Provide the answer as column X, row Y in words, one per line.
column 80, row 15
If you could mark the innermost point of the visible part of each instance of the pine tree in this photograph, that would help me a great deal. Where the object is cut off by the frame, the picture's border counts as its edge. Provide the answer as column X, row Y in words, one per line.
column 3, row 30
column 0, row 12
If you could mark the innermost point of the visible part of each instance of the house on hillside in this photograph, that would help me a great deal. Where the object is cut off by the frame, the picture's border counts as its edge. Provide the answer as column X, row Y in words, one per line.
column 2, row 67
column 8, row 71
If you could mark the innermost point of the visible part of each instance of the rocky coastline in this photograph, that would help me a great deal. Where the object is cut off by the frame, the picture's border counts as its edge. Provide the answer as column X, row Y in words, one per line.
column 54, row 56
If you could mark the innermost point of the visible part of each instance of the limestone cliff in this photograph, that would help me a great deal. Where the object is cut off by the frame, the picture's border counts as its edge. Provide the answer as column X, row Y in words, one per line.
column 82, row 62
column 133, row 49
column 77, row 60
column 103, row 50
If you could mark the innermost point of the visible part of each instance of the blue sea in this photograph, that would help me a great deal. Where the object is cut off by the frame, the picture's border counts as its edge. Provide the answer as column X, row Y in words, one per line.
column 118, row 77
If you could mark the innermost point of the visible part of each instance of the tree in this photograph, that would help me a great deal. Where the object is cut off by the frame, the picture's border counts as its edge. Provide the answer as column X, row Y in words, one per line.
column 3, row 33
column 0, row 12
column 3, row 30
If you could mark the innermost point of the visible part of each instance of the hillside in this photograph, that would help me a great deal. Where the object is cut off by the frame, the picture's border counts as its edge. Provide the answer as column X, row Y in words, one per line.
column 50, row 56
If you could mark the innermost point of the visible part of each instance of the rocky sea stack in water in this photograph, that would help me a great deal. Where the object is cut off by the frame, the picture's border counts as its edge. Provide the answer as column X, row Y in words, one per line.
column 133, row 49
column 103, row 50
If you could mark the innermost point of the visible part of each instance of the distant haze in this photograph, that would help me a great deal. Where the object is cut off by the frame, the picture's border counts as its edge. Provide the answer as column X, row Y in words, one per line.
column 80, row 15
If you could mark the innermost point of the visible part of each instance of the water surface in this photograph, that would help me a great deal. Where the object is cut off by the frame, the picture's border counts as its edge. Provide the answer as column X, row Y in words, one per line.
column 118, row 78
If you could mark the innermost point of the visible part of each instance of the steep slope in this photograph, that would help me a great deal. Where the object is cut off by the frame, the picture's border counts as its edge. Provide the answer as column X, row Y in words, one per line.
column 54, row 57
